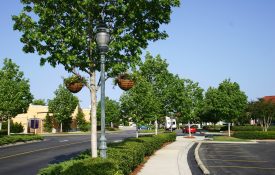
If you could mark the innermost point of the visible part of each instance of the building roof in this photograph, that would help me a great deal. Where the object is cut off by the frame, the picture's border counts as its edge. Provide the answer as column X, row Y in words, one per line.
column 269, row 98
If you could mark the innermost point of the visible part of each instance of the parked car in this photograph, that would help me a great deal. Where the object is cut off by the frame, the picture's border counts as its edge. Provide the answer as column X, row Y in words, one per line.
column 143, row 127
column 193, row 129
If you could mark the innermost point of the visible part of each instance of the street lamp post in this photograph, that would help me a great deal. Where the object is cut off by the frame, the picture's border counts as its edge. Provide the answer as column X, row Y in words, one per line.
column 102, row 39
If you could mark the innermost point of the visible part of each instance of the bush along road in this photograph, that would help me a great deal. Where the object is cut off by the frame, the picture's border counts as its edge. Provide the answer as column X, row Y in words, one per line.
column 6, row 140
column 122, row 159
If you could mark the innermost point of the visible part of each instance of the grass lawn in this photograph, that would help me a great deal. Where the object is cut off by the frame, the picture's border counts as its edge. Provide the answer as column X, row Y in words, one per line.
column 229, row 139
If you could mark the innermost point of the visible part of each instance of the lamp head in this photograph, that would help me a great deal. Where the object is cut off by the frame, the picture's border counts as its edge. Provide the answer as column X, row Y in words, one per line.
column 102, row 38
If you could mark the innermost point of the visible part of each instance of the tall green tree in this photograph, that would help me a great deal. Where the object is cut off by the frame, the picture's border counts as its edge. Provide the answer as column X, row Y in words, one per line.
column 112, row 113
column 140, row 103
column 82, row 124
column 15, row 95
column 155, row 71
column 186, row 99
column 49, row 122
column 233, row 101
column 63, row 32
column 211, row 105
column 262, row 110
column 62, row 106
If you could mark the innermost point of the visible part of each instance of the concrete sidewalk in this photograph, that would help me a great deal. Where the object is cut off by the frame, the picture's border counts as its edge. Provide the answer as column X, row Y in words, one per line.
column 172, row 159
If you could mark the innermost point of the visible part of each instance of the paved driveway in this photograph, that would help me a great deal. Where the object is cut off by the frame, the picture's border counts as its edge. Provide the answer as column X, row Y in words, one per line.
column 239, row 159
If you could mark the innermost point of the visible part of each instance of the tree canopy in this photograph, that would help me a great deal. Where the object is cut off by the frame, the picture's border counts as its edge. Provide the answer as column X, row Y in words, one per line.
column 39, row 102
column 63, row 32
column 232, row 100
column 211, row 103
column 186, row 98
column 15, row 95
column 154, row 70
column 140, row 103
column 166, row 93
column 262, row 110
column 62, row 106
column 227, row 102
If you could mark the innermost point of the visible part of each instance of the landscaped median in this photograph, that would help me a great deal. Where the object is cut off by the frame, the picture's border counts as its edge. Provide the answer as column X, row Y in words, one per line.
column 122, row 159
column 4, row 140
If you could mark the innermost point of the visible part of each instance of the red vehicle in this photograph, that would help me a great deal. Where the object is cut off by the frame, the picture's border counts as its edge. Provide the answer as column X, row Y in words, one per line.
column 193, row 129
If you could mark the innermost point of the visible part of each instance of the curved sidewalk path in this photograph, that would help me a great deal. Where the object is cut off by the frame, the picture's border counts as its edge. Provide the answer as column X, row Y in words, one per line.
column 172, row 159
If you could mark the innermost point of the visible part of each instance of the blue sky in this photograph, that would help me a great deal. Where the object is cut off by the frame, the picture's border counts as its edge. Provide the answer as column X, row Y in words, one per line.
column 209, row 41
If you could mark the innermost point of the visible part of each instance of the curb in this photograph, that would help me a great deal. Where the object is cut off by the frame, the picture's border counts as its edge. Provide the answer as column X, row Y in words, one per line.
column 199, row 162
column 233, row 142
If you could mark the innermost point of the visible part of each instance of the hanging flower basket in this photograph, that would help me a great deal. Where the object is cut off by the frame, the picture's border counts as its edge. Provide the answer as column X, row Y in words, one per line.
column 74, row 83
column 74, row 87
column 125, row 82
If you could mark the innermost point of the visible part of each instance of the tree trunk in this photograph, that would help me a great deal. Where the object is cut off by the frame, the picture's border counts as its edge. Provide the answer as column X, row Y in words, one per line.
column 229, row 134
column 0, row 126
column 189, row 127
column 112, row 125
column 61, row 129
column 136, row 130
column 93, row 115
column 156, row 127
column 9, row 126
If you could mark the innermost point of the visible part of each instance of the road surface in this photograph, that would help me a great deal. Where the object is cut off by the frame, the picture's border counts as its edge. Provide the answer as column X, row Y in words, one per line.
column 29, row 158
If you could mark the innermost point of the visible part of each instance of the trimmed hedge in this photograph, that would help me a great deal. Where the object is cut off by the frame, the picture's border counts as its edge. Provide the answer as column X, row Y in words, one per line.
column 212, row 128
column 18, row 138
column 247, row 128
column 218, row 128
column 88, row 166
column 122, row 159
column 254, row 134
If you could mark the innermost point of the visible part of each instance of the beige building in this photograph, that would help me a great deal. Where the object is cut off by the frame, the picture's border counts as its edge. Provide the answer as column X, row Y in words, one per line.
column 36, row 115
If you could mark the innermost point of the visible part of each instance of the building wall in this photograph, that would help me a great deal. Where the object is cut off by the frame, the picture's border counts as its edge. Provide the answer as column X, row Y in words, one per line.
column 39, row 113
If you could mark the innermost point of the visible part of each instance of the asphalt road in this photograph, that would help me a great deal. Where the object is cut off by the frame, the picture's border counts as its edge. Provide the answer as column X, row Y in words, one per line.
column 239, row 159
column 29, row 158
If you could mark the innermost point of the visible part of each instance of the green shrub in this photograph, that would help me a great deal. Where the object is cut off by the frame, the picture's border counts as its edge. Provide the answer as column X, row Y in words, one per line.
column 122, row 158
column 17, row 128
column 213, row 128
column 18, row 138
column 48, row 123
column 88, row 166
column 14, row 127
column 85, row 127
column 254, row 134
column 247, row 128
